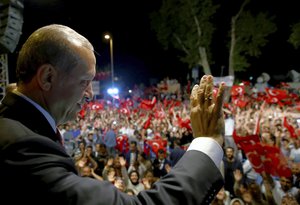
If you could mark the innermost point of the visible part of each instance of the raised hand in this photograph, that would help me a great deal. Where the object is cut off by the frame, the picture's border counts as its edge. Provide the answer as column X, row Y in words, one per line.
column 207, row 118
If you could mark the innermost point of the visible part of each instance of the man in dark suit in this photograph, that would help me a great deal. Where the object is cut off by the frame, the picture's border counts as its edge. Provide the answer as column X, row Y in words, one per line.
column 131, row 155
column 161, row 164
column 176, row 153
column 55, row 69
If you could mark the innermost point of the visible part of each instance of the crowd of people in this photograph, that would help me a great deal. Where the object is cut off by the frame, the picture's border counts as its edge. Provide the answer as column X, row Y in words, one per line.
column 59, row 146
column 55, row 69
column 116, row 142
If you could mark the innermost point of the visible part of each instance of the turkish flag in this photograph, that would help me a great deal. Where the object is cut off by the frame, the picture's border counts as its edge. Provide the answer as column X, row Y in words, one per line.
column 96, row 106
column 254, row 153
column 274, row 162
column 148, row 104
column 157, row 144
column 239, row 102
column 124, row 110
column 129, row 102
column 148, row 122
column 289, row 127
column 242, row 141
column 122, row 143
column 237, row 90
column 263, row 158
column 276, row 93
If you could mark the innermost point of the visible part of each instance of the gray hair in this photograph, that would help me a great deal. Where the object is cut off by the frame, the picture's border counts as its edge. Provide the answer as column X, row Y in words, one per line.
column 52, row 44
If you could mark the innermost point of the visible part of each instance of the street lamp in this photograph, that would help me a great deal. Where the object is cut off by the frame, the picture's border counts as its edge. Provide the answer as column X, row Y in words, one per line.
column 111, row 58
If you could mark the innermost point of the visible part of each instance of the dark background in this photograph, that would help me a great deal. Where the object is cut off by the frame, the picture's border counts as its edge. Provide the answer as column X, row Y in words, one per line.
column 138, row 57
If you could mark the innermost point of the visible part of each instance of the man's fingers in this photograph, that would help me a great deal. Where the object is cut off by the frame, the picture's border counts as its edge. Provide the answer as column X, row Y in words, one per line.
column 208, row 94
column 201, row 89
column 195, row 122
column 194, row 96
column 218, row 109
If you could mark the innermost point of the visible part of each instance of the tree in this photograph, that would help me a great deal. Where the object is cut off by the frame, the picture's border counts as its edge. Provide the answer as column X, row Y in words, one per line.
column 186, row 25
column 248, row 35
column 189, row 25
column 294, row 38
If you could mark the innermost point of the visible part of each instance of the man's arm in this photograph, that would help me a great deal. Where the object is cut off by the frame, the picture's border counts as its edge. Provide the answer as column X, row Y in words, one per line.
column 195, row 179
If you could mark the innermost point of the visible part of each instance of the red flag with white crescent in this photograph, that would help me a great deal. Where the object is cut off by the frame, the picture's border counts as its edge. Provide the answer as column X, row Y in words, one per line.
column 253, row 153
column 122, row 143
column 289, row 127
column 237, row 90
column 148, row 104
column 157, row 144
column 276, row 93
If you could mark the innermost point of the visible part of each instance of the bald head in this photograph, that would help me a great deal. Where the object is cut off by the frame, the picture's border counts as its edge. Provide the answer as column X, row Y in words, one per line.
column 53, row 44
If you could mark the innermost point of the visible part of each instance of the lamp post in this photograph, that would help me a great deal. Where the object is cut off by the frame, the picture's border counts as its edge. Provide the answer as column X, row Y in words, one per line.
column 107, row 36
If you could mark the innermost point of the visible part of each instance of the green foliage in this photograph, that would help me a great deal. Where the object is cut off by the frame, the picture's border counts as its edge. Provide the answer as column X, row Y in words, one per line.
column 240, row 61
column 176, row 27
column 251, row 35
column 294, row 38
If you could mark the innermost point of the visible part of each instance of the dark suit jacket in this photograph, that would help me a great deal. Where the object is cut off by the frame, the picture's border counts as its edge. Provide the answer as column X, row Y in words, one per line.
column 175, row 155
column 127, row 157
column 157, row 172
column 35, row 169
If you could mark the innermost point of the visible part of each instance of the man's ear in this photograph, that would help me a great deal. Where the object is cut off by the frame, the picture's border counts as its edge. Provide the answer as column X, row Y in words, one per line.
column 45, row 75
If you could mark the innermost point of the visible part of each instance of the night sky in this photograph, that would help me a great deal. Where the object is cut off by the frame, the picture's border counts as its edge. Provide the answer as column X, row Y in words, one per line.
column 138, row 57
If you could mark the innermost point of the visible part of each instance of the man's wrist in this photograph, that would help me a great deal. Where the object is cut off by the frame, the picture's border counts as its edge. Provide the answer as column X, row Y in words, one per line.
column 210, row 147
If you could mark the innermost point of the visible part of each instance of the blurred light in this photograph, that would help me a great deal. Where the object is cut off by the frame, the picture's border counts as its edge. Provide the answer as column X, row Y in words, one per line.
column 130, row 91
column 113, row 91
column 251, row 78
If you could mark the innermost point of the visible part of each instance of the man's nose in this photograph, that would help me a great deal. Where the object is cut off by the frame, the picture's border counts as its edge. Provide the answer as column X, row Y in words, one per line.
column 89, row 94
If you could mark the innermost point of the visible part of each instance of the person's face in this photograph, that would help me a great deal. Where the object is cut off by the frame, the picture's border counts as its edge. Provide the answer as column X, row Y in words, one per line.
column 97, row 147
column 161, row 155
column 149, row 176
column 236, row 203
column 117, row 162
column 229, row 153
column 111, row 172
column 102, row 149
column 295, row 169
column 285, row 183
column 89, row 151
column 134, row 177
column 70, row 90
column 81, row 145
column 119, row 183
column 90, row 137
column 132, row 147
column 86, row 172
column 221, row 194
column 247, row 197
column 242, row 188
